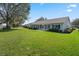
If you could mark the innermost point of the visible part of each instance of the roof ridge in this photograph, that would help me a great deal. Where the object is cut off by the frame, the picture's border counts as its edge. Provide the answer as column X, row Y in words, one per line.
column 60, row 17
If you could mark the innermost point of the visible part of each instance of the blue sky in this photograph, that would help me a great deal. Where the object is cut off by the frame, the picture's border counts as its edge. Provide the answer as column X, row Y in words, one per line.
column 53, row 10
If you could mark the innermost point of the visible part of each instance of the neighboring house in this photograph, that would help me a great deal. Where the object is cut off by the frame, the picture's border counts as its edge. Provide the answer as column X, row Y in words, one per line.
column 59, row 24
column 3, row 25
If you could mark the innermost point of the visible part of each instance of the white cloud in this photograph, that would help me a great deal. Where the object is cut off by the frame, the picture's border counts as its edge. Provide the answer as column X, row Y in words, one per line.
column 72, row 6
column 69, row 10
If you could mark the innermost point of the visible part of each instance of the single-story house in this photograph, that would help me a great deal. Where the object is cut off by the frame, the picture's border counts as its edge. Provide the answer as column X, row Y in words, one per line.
column 60, row 24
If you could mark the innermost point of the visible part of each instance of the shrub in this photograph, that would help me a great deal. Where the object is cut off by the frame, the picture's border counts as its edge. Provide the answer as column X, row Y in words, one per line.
column 34, row 28
column 24, row 26
column 55, row 30
column 69, row 30
column 73, row 28
column 27, row 27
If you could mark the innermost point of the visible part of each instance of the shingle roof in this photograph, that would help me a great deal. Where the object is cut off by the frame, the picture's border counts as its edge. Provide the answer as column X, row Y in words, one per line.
column 51, row 21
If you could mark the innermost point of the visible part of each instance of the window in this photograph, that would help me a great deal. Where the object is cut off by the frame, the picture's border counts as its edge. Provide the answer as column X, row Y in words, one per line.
column 57, row 27
column 53, row 26
column 45, row 26
column 41, row 26
column 48, row 26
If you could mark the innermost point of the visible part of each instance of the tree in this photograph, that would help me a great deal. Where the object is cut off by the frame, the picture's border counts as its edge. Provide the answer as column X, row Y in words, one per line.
column 14, row 13
column 41, row 19
column 76, row 22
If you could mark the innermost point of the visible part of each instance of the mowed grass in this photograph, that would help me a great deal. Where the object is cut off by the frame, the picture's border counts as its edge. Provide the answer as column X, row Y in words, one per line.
column 27, row 42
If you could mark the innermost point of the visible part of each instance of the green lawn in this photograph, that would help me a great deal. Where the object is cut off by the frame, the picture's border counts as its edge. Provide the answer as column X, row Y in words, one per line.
column 36, row 42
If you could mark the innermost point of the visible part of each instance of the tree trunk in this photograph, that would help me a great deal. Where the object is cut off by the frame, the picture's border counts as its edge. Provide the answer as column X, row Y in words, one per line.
column 8, row 26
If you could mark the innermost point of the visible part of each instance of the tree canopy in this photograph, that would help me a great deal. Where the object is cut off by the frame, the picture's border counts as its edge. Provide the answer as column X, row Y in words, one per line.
column 14, row 13
column 41, row 19
column 75, row 23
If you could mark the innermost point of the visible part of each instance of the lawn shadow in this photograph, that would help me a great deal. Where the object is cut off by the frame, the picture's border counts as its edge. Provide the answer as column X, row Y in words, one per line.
column 59, row 32
column 7, row 30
